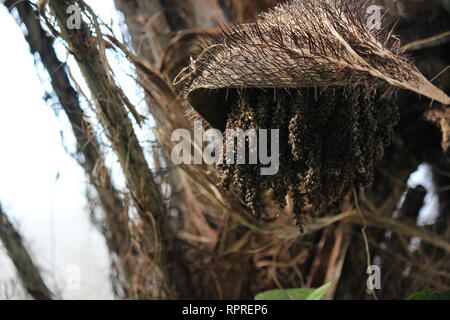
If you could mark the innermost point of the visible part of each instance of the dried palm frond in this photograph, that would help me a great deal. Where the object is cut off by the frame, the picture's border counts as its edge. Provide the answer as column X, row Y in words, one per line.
column 303, row 44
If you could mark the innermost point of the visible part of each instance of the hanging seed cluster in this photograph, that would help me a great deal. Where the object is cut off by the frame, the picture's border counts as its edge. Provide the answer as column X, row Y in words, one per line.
column 330, row 141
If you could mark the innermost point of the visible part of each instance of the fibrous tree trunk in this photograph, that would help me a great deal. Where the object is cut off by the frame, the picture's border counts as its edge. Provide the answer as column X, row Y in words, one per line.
column 111, row 106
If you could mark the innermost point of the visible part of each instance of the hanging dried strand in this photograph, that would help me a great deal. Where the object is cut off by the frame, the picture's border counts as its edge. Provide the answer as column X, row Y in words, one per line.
column 329, row 142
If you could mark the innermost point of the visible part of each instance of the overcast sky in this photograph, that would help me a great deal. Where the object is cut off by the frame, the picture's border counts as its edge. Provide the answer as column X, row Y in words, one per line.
column 42, row 188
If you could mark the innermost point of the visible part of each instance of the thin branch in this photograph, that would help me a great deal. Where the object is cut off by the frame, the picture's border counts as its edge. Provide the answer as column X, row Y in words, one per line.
column 27, row 270
column 405, row 229
column 427, row 42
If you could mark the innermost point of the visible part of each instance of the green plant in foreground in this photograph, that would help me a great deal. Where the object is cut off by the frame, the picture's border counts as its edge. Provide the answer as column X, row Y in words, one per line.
column 319, row 294
column 430, row 294
column 295, row 294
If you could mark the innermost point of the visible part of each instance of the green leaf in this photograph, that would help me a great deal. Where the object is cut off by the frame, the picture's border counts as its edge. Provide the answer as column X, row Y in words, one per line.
column 319, row 293
column 445, row 295
column 294, row 294
column 285, row 294
column 427, row 294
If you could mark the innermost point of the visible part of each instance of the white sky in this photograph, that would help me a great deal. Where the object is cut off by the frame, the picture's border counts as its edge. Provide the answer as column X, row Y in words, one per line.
column 41, row 187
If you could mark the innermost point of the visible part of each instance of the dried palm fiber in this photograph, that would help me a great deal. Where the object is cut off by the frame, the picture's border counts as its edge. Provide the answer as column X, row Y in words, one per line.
column 441, row 117
column 313, row 70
